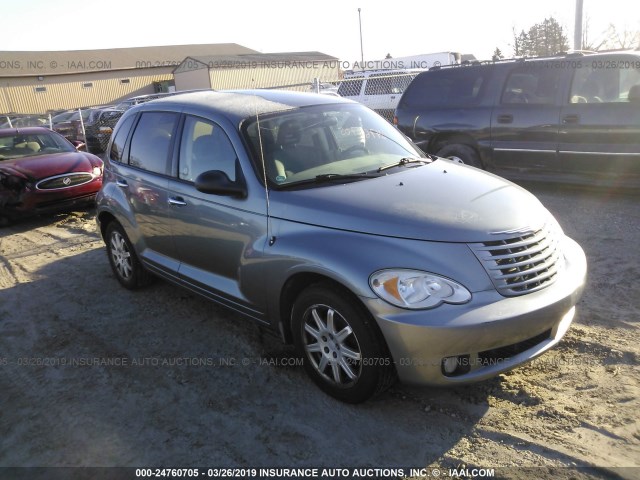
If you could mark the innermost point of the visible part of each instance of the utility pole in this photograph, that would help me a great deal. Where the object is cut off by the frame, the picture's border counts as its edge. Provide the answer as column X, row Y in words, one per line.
column 361, row 51
column 577, row 32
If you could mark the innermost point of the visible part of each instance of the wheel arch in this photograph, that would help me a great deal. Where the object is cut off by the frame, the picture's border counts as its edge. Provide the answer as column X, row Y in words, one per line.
column 296, row 284
column 104, row 220
column 441, row 140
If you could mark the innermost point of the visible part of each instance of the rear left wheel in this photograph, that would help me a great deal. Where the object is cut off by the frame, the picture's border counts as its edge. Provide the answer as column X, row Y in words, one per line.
column 124, row 262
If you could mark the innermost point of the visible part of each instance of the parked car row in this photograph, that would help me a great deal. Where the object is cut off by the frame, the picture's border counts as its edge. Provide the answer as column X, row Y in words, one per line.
column 98, row 125
column 43, row 169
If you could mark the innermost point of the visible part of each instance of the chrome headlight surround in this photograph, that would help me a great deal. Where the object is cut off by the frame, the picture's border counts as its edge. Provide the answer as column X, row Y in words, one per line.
column 416, row 290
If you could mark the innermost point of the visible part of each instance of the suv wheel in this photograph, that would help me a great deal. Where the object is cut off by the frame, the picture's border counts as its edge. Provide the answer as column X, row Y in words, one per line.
column 124, row 262
column 461, row 154
column 343, row 352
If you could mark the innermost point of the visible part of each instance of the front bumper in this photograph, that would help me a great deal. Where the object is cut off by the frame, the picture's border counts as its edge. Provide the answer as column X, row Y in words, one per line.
column 491, row 333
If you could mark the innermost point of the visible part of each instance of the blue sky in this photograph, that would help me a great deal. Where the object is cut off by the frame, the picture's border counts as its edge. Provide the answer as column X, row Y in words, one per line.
column 329, row 26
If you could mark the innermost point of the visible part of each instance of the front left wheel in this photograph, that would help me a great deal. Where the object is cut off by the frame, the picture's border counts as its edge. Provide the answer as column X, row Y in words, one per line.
column 343, row 351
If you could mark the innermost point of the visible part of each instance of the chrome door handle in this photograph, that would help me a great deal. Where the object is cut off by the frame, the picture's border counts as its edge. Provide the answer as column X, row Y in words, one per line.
column 122, row 183
column 177, row 201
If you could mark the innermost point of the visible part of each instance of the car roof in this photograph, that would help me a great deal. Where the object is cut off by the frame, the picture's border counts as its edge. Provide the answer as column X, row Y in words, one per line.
column 507, row 62
column 10, row 132
column 240, row 104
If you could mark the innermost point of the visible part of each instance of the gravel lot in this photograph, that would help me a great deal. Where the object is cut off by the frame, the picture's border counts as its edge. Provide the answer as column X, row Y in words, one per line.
column 190, row 384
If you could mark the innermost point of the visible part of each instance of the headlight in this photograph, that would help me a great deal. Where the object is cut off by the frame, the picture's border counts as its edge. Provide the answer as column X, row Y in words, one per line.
column 417, row 290
column 97, row 171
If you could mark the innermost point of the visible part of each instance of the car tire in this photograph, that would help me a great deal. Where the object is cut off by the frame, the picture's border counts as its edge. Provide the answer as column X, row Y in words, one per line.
column 461, row 154
column 342, row 349
column 123, row 260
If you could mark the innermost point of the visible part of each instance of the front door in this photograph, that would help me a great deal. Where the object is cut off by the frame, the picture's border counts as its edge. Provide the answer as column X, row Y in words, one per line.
column 524, row 123
column 218, row 238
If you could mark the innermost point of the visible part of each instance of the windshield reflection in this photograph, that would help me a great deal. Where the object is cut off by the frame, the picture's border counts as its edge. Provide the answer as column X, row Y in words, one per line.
column 303, row 144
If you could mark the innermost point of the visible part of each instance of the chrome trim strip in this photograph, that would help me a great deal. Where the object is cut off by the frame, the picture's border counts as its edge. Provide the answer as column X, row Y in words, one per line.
column 72, row 174
column 523, row 150
column 600, row 153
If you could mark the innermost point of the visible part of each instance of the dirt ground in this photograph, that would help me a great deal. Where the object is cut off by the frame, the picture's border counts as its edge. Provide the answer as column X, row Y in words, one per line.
column 94, row 375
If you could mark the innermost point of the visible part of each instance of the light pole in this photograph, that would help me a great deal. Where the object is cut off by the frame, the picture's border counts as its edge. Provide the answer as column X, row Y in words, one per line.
column 361, row 51
column 577, row 32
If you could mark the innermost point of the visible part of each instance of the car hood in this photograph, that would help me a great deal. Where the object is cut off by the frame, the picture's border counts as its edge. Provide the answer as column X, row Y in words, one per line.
column 42, row 166
column 441, row 201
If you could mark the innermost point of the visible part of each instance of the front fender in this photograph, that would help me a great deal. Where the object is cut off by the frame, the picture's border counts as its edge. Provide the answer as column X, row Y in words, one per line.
column 349, row 258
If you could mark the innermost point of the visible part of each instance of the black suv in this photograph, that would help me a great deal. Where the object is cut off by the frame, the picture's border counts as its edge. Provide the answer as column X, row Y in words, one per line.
column 574, row 118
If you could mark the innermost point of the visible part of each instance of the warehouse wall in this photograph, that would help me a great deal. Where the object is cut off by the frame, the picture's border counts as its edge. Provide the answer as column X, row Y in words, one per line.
column 29, row 95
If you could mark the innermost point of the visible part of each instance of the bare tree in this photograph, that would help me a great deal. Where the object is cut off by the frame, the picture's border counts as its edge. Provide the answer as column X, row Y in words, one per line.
column 616, row 39
column 610, row 39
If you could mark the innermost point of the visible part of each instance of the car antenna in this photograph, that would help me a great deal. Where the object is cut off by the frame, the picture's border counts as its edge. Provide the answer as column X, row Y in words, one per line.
column 272, row 239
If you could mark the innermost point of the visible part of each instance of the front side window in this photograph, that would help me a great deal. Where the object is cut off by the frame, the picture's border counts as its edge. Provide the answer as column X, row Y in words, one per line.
column 325, row 140
column 205, row 146
column 151, row 141
column 534, row 83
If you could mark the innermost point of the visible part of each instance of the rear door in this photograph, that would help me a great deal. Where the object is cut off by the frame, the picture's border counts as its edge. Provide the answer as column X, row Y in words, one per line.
column 525, row 120
column 600, row 122
column 142, row 174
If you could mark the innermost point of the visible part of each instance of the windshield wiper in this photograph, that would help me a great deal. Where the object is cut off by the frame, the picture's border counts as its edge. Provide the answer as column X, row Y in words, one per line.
column 330, row 177
column 404, row 161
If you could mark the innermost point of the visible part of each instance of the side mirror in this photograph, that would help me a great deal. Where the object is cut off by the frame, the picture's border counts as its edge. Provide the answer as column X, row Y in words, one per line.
column 217, row 182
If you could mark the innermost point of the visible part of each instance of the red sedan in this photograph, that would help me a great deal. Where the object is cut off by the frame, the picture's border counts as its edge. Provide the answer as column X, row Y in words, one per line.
column 41, row 171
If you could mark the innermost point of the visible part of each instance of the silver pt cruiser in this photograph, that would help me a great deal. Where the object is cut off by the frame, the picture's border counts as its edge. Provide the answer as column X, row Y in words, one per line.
column 316, row 218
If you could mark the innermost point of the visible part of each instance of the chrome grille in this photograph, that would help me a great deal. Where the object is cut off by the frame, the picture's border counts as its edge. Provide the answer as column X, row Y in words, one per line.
column 521, row 264
column 67, row 180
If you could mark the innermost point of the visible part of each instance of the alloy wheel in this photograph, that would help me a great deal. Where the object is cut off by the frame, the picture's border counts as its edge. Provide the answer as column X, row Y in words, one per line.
column 331, row 345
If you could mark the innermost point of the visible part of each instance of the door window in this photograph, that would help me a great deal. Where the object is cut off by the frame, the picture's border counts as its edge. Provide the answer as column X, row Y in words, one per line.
column 594, row 83
column 532, row 83
column 205, row 146
column 151, row 142
column 117, row 146
column 350, row 87
column 450, row 87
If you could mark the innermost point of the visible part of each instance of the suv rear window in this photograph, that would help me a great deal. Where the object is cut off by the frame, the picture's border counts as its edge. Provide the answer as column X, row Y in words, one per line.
column 350, row 87
column 451, row 87
column 388, row 83
column 151, row 141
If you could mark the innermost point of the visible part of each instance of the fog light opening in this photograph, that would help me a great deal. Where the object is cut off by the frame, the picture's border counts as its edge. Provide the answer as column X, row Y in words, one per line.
column 454, row 366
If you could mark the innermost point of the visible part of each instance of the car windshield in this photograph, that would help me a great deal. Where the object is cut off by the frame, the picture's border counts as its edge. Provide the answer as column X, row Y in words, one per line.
column 326, row 142
column 30, row 145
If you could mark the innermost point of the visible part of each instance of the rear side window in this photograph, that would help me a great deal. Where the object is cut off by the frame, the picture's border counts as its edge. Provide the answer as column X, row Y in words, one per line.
column 350, row 87
column 387, row 84
column 152, row 140
column 117, row 146
column 452, row 87
column 606, row 81
column 533, row 84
